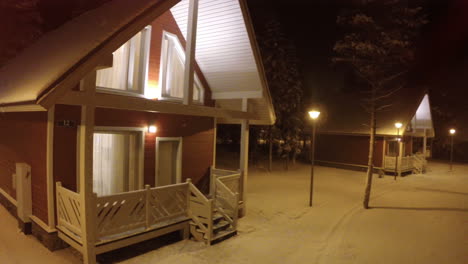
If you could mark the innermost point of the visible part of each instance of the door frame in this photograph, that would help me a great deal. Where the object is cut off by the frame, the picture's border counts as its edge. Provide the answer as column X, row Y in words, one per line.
column 178, row 162
column 139, row 180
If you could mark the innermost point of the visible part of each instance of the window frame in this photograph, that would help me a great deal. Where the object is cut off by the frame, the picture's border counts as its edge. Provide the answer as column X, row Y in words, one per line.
column 164, row 95
column 138, row 182
column 142, row 75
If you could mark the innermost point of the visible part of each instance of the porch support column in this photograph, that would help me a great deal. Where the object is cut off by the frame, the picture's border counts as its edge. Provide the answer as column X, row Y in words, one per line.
column 400, row 156
column 424, row 150
column 244, row 156
column 215, row 134
column 50, row 167
column 190, row 51
column 88, row 206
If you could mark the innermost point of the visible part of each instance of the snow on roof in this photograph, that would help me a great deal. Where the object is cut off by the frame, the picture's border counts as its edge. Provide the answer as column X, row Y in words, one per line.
column 39, row 66
column 42, row 66
column 343, row 113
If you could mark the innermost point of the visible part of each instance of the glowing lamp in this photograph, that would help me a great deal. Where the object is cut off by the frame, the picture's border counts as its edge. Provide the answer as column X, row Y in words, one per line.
column 452, row 131
column 152, row 129
column 314, row 114
column 398, row 125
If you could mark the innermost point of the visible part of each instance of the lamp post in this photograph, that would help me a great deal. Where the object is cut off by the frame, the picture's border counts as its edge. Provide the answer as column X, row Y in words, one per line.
column 398, row 125
column 314, row 114
column 452, row 133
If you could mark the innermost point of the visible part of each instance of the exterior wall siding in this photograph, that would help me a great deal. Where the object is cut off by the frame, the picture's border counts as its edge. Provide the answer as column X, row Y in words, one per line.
column 347, row 149
column 25, row 140
column 166, row 22
column 197, row 134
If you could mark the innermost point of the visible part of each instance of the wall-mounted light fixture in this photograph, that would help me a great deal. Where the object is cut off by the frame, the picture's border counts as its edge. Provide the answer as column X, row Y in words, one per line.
column 152, row 129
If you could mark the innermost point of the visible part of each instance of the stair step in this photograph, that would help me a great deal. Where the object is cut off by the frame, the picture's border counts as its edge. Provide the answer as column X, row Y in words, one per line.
column 223, row 235
column 217, row 217
column 221, row 226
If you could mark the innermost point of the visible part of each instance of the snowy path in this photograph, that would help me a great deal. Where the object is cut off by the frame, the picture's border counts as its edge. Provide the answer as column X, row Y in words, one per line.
column 416, row 219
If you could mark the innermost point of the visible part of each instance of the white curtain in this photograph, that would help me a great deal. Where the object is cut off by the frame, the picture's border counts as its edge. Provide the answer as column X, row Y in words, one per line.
column 175, row 65
column 125, row 63
column 175, row 72
column 110, row 167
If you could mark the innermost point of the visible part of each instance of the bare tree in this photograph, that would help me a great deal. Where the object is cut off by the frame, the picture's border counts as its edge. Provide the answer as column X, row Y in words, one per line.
column 378, row 45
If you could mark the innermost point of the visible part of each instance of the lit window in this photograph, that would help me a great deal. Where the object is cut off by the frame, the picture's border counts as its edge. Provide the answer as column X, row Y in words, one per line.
column 116, row 161
column 172, row 71
column 129, row 67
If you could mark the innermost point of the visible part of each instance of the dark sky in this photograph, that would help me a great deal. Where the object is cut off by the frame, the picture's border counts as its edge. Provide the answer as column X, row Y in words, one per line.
column 442, row 52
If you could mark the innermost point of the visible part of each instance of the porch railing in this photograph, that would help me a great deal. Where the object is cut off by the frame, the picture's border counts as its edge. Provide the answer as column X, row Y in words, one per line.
column 404, row 163
column 225, row 188
column 124, row 214
column 69, row 212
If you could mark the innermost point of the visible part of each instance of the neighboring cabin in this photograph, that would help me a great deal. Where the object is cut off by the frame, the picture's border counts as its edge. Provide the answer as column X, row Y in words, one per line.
column 105, row 118
column 343, row 132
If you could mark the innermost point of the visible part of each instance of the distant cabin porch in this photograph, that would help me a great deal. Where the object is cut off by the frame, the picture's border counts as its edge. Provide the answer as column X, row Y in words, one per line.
column 405, row 155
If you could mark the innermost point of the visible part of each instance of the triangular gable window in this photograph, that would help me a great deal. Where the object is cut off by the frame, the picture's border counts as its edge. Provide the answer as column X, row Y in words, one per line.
column 129, row 66
column 172, row 71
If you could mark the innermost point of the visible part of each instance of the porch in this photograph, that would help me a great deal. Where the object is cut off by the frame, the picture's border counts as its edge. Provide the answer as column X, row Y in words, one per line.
column 414, row 163
column 127, row 218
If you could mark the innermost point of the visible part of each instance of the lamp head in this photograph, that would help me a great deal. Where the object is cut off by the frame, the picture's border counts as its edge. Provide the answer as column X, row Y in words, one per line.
column 314, row 114
column 152, row 129
column 398, row 125
column 452, row 131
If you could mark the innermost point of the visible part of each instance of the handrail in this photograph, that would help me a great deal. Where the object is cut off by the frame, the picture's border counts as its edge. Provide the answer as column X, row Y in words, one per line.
column 228, row 177
column 197, row 192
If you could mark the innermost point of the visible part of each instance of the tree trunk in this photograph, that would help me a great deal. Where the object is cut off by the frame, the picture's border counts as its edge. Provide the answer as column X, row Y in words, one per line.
column 370, row 163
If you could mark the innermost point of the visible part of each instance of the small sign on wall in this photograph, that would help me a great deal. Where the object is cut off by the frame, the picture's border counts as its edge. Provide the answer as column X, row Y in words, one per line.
column 66, row 123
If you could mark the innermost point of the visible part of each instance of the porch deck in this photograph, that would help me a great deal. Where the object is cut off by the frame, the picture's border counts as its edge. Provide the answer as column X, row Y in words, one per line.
column 127, row 218
column 415, row 162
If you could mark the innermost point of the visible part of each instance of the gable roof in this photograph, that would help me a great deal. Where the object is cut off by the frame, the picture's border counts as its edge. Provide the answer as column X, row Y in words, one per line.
column 343, row 113
column 64, row 56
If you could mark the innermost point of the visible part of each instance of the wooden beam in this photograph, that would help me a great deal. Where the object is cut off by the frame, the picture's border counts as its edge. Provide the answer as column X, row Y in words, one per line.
column 86, row 170
column 237, row 95
column 244, row 156
column 106, row 62
column 22, row 108
column 106, row 100
column 50, row 167
column 190, row 51
column 89, row 62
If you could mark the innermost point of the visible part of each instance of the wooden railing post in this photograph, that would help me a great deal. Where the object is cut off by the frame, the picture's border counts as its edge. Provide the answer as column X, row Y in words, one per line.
column 58, row 185
column 93, row 212
column 212, row 182
column 147, row 206
column 189, row 193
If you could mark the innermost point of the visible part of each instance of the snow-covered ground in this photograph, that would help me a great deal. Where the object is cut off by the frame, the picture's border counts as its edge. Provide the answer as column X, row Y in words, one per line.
column 416, row 219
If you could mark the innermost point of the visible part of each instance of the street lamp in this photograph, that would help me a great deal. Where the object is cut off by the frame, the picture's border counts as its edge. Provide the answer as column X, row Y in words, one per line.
column 398, row 125
column 452, row 133
column 314, row 114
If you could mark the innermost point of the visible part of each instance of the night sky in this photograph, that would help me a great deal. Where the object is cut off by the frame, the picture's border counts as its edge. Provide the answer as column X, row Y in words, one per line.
column 442, row 52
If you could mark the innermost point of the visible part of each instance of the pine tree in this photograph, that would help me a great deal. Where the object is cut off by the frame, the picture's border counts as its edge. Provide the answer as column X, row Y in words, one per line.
column 378, row 45
column 281, row 69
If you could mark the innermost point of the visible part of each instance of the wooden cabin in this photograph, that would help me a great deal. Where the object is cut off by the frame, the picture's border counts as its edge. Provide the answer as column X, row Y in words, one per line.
column 343, row 132
column 108, row 124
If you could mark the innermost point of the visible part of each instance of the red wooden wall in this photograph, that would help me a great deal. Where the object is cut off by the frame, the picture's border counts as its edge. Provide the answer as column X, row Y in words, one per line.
column 166, row 22
column 197, row 134
column 347, row 149
column 24, row 139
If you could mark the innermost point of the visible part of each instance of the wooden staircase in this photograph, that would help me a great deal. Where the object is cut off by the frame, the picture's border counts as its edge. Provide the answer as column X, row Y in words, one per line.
column 214, row 217
column 419, row 164
column 221, row 230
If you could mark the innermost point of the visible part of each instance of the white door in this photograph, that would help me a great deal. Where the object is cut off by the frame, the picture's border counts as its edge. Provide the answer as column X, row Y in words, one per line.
column 168, row 161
